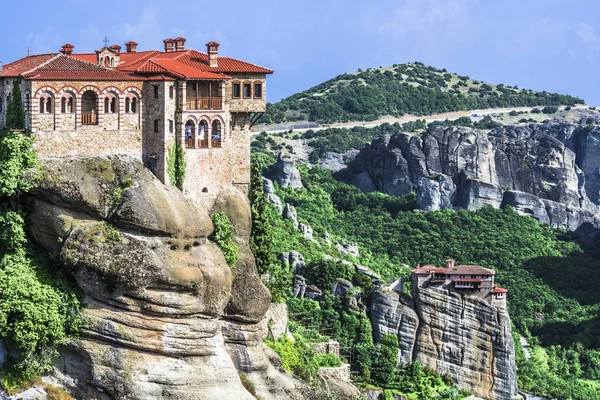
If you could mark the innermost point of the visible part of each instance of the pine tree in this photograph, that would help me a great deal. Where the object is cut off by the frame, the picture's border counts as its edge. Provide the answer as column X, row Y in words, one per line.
column 261, row 241
column 15, row 113
column 176, row 165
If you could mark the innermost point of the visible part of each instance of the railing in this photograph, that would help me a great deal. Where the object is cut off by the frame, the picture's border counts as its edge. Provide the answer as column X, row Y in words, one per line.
column 204, row 103
column 215, row 142
column 89, row 118
column 189, row 143
column 203, row 143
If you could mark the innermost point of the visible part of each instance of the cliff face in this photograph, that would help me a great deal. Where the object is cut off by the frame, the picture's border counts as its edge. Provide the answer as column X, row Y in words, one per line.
column 463, row 336
column 550, row 172
column 167, row 316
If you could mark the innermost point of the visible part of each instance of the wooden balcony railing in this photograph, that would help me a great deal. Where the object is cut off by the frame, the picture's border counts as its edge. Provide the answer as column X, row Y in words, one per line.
column 215, row 142
column 89, row 118
column 204, row 103
column 203, row 143
column 189, row 143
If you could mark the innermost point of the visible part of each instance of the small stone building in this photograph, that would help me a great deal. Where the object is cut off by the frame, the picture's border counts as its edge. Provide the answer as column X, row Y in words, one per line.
column 139, row 103
column 472, row 280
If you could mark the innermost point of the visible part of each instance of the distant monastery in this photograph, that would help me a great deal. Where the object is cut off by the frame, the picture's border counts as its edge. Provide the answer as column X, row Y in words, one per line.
column 140, row 103
column 472, row 280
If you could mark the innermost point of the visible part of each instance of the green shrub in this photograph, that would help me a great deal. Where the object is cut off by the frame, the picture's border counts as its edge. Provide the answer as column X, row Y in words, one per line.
column 176, row 165
column 329, row 360
column 223, row 236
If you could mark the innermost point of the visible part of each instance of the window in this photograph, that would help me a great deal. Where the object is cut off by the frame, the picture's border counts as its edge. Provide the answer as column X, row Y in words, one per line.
column 247, row 90
column 63, row 105
column 171, row 91
column 237, row 91
column 133, row 108
column 155, row 88
column 155, row 126
column 170, row 126
column 257, row 90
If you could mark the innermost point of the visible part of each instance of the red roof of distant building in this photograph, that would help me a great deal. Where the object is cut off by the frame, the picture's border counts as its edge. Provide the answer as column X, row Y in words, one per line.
column 456, row 270
column 498, row 290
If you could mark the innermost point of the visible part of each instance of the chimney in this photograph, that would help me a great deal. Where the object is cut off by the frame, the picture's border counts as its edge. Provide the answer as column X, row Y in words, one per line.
column 116, row 48
column 169, row 45
column 450, row 263
column 131, row 47
column 179, row 44
column 67, row 49
column 212, row 48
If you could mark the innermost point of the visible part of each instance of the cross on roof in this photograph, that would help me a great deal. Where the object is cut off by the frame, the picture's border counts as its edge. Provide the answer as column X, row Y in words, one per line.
column 106, row 41
column 28, row 52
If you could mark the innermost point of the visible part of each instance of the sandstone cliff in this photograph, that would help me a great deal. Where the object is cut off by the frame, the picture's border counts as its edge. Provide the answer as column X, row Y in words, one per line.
column 463, row 336
column 167, row 316
column 550, row 172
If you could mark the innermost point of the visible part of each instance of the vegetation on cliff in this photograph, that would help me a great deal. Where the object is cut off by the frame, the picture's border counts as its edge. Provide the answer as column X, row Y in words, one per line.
column 223, row 236
column 398, row 90
column 15, row 113
column 548, row 305
column 38, row 304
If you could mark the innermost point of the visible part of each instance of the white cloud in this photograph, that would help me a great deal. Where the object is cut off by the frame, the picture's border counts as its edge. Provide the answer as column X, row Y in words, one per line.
column 147, row 31
column 586, row 34
column 422, row 16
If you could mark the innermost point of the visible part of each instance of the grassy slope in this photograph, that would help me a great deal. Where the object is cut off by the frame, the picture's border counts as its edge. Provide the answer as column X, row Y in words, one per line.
column 398, row 90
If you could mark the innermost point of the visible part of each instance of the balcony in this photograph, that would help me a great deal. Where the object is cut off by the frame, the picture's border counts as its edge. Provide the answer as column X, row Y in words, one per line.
column 89, row 118
column 204, row 103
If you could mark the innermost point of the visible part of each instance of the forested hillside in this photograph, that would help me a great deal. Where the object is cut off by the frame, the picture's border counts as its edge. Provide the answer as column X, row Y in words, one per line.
column 542, row 268
column 398, row 90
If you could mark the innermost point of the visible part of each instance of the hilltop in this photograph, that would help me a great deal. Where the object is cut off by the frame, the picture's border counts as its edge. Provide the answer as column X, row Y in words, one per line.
column 401, row 89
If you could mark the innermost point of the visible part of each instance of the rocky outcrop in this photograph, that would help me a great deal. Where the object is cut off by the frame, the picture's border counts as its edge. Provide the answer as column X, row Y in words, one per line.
column 269, row 190
column 467, row 338
column 285, row 173
column 463, row 336
column 289, row 213
column 453, row 167
column 167, row 317
column 393, row 314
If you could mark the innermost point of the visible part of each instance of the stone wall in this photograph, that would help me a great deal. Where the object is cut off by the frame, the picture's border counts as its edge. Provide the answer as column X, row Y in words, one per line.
column 88, row 141
column 341, row 373
column 331, row 347
column 156, row 144
column 241, row 104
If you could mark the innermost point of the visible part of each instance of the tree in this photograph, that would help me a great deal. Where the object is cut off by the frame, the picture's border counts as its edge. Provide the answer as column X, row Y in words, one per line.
column 15, row 113
column 176, row 165
column 261, row 240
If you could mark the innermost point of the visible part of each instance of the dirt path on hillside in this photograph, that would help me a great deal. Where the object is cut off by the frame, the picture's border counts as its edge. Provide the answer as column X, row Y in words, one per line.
column 301, row 126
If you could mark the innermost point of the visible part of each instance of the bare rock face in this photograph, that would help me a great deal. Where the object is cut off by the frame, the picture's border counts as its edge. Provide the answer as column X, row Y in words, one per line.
column 285, row 173
column 167, row 316
column 463, row 336
column 392, row 314
column 467, row 338
column 467, row 168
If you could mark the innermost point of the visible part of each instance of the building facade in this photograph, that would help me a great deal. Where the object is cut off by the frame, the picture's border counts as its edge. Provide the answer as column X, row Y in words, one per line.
column 471, row 280
column 140, row 104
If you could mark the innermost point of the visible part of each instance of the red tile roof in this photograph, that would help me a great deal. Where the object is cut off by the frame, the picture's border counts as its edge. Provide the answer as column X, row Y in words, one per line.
column 63, row 67
column 24, row 65
column 189, row 64
column 456, row 270
column 498, row 290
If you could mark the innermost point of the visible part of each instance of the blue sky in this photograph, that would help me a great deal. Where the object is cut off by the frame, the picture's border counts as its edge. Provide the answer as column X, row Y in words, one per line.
column 551, row 45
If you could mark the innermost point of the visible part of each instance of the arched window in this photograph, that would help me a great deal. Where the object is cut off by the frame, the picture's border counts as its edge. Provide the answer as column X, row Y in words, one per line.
column 204, row 190
column 42, row 105
column 190, row 126
column 113, row 105
column 216, row 133
column 106, row 105
column 203, row 133
column 46, row 104
column 63, row 105
column 134, row 105
column 49, row 105
column 127, row 105
column 70, row 105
